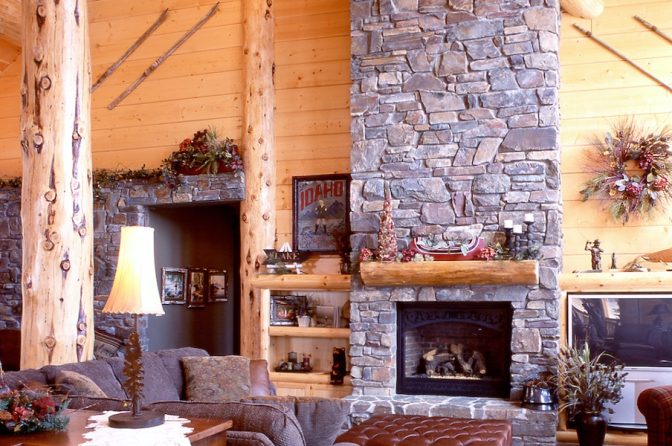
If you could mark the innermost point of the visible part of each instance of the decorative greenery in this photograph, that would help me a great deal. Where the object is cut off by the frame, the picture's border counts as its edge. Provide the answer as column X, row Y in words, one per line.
column 32, row 410
column 387, row 239
column 588, row 384
column 633, row 169
column 205, row 152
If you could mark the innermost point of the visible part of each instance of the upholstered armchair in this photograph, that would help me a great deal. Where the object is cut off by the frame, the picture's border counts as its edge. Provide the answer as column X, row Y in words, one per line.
column 656, row 406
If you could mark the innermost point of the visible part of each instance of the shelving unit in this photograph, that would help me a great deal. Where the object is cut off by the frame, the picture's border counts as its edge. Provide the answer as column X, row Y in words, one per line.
column 318, row 341
column 309, row 332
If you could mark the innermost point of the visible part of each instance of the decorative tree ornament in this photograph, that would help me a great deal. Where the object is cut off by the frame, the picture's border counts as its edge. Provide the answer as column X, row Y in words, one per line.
column 387, row 239
column 633, row 168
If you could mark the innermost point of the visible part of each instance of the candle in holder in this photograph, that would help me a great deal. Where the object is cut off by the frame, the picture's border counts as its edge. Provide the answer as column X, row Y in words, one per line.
column 508, row 224
column 529, row 218
column 517, row 229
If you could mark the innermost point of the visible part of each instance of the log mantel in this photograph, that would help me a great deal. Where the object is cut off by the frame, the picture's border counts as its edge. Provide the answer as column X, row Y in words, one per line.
column 448, row 273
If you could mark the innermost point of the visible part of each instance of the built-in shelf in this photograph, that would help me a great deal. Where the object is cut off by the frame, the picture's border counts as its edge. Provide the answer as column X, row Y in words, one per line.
column 447, row 273
column 302, row 282
column 616, row 281
column 309, row 332
column 306, row 378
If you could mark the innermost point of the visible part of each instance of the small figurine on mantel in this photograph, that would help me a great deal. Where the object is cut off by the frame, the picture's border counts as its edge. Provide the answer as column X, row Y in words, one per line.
column 595, row 254
column 613, row 261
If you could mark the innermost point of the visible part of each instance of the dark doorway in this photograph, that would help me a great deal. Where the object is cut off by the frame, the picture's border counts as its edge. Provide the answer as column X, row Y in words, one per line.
column 198, row 236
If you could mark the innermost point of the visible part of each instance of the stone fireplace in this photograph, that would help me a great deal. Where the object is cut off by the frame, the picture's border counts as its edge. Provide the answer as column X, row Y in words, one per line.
column 455, row 118
column 458, row 349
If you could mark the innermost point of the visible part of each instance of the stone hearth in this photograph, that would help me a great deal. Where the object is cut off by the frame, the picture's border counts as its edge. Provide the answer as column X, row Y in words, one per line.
column 455, row 116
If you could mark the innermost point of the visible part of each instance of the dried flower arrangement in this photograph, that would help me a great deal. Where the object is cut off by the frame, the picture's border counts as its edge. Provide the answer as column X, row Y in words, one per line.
column 204, row 152
column 589, row 383
column 31, row 410
column 633, row 169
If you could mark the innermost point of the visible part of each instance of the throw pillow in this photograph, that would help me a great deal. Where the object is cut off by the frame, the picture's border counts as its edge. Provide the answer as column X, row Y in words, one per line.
column 73, row 383
column 216, row 378
column 321, row 419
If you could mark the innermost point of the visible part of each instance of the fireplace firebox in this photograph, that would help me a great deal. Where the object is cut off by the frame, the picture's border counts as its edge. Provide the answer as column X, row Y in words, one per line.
column 454, row 348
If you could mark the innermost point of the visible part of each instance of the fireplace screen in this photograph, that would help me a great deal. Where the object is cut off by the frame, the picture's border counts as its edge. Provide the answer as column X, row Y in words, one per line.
column 454, row 348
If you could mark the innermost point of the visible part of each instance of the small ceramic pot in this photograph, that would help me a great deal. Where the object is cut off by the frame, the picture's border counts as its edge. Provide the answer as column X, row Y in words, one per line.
column 304, row 321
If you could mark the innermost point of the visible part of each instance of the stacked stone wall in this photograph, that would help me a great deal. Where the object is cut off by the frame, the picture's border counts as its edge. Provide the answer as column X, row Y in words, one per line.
column 454, row 109
column 123, row 204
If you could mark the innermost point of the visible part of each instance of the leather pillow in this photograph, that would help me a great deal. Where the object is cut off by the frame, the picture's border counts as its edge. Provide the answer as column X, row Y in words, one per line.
column 73, row 383
column 216, row 378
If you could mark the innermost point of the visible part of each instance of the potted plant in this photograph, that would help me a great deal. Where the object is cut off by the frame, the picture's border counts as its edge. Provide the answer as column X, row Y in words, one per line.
column 587, row 385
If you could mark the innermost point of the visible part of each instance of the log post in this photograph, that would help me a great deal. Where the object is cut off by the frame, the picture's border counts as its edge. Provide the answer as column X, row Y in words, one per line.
column 56, row 200
column 257, row 213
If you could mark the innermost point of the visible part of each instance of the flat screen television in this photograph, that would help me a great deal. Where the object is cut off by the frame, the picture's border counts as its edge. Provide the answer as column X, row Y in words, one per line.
column 635, row 328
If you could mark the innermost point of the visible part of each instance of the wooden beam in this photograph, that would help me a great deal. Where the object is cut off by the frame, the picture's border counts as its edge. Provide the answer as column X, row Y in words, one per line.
column 447, row 273
column 56, row 196
column 585, row 9
column 617, row 281
column 257, row 211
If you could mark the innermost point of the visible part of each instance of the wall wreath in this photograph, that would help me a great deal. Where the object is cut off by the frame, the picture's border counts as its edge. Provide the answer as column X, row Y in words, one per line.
column 633, row 168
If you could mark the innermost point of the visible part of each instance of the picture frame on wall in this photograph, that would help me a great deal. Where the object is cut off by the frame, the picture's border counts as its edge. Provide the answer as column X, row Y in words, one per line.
column 320, row 211
column 284, row 309
column 173, row 285
column 197, row 290
column 217, row 285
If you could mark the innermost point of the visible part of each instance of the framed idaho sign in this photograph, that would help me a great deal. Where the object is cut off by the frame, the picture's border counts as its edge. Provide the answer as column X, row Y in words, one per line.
column 320, row 211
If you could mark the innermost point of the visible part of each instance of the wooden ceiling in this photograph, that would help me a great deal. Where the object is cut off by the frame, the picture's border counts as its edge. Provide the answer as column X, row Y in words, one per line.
column 10, row 31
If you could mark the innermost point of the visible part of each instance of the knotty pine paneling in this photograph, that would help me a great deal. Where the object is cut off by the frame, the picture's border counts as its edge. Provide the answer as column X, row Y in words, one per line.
column 596, row 89
column 200, row 85
column 312, row 79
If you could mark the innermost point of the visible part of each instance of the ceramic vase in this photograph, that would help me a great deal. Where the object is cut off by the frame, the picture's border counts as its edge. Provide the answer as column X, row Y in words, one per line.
column 591, row 428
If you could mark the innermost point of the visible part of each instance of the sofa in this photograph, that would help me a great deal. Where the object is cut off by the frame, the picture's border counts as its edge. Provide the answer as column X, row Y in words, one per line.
column 259, row 417
column 656, row 406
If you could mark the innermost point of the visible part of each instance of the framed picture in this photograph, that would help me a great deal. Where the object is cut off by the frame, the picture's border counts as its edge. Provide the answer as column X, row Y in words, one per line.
column 217, row 285
column 320, row 208
column 197, row 292
column 284, row 309
column 327, row 316
column 173, row 285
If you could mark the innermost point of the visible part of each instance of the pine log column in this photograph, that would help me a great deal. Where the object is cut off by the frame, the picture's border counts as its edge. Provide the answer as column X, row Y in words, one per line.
column 57, row 201
column 257, row 211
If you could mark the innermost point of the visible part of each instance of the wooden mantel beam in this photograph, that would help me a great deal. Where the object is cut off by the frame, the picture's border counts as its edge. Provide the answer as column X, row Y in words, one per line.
column 257, row 213
column 56, row 196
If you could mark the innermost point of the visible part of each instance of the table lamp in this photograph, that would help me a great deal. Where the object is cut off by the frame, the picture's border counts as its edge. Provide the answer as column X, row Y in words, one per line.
column 135, row 292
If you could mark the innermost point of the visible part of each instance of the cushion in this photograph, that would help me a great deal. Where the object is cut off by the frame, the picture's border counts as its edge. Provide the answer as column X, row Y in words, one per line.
column 16, row 380
column 216, row 378
column 99, row 371
column 73, row 383
column 171, row 361
column 321, row 419
column 106, row 345
column 274, row 422
column 260, row 381
column 158, row 384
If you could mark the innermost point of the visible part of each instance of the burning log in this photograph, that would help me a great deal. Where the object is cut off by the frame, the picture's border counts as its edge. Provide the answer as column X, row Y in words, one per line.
column 453, row 361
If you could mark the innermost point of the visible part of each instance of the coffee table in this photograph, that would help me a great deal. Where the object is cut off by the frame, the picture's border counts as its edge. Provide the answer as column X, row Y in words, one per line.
column 207, row 432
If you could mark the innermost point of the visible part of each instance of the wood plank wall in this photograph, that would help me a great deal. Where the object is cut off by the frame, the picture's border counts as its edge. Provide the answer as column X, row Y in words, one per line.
column 597, row 88
column 312, row 80
column 198, row 86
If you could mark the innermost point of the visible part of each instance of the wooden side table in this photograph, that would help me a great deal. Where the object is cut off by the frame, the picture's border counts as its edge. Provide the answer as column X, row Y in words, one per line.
column 207, row 432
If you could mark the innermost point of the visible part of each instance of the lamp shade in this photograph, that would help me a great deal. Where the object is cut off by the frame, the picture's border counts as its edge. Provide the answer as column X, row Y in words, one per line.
column 134, row 290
